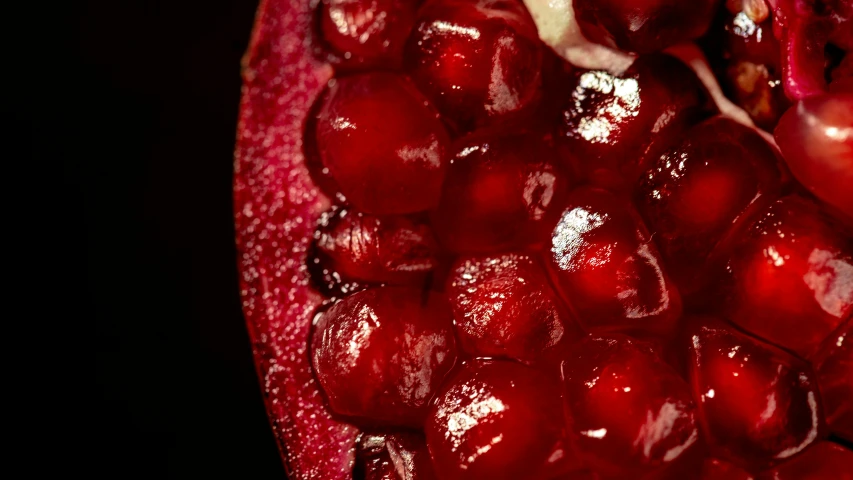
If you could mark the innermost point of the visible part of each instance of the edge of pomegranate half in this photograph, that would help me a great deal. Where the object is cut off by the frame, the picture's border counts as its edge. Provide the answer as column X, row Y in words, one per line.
column 275, row 205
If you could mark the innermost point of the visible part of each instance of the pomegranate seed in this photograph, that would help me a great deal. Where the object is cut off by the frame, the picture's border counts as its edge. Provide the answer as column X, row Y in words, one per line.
column 479, row 61
column 381, row 354
column 606, row 124
column 758, row 404
column 789, row 278
column 352, row 247
column 396, row 456
column 631, row 413
column 383, row 145
column 497, row 419
column 824, row 461
column 816, row 139
column 834, row 365
column 368, row 30
column 501, row 192
column 714, row 469
column 643, row 26
column 692, row 194
column 603, row 263
column 504, row 307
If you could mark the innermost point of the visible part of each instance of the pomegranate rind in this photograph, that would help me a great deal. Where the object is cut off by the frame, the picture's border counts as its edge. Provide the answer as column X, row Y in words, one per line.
column 275, row 205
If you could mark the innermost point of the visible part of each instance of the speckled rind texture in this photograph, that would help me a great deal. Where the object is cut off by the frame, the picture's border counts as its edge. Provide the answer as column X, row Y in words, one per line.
column 276, row 205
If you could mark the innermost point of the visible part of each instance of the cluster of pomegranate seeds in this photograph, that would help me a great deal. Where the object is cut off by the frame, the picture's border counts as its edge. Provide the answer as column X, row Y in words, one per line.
column 381, row 354
column 497, row 419
column 370, row 32
column 758, row 404
column 536, row 271
column 352, row 248
column 693, row 194
column 479, row 61
column 501, row 192
column 643, row 26
column 503, row 307
column 604, row 264
column 789, row 278
column 631, row 413
column 612, row 126
column 404, row 171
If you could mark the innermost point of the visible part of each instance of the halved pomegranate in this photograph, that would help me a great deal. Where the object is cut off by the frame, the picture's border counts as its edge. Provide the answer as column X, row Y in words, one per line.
column 464, row 258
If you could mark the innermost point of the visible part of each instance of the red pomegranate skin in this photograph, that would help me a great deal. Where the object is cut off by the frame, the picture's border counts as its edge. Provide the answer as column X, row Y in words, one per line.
column 276, row 205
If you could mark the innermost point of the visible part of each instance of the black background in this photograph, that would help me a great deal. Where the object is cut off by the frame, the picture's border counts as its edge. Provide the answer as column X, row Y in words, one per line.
column 138, row 105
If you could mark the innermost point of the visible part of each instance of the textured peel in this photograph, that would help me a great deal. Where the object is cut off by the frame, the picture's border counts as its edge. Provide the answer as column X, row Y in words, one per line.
column 276, row 205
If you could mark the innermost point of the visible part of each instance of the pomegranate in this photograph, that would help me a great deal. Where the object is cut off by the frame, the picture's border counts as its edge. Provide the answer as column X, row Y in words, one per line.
column 463, row 257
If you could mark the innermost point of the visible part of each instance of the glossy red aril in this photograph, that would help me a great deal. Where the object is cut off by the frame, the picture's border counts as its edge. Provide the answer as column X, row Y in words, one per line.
column 393, row 456
column 381, row 354
column 367, row 30
column 479, row 61
column 383, row 145
column 816, row 139
column 498, row 420
column 692, row 194
column 643, row 26
column 630, row 412
column 834, row 365
column 789, row 276
column 758, row 405
column 715, row 469
column 811, row 33
column 501, row 192
column 613, row 125
column 752, row 54
column 354, row 247
column 604, row 264
column 504, row 307
column 824, row 461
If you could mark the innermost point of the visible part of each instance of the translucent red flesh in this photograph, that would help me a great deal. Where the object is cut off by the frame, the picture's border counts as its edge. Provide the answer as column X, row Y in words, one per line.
column 785, row 267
